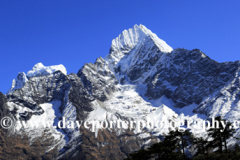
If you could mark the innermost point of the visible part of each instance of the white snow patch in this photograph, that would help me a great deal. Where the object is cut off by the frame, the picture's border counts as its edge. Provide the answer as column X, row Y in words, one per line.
column 40, row 70
column 37, row 125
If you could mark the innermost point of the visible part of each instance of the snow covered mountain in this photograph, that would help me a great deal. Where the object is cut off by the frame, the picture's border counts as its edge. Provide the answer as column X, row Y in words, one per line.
column 141, row 79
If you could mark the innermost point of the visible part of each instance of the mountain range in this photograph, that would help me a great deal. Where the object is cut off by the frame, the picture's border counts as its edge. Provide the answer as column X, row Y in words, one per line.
column 141, row 79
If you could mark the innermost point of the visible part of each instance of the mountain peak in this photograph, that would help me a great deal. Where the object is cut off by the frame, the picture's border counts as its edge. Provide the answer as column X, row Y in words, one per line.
column 39, row 69
column 133, row 39
column 132, row 36
column 18, row 82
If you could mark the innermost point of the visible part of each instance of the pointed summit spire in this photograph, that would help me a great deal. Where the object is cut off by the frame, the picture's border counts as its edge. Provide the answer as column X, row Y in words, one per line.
column 133, row 38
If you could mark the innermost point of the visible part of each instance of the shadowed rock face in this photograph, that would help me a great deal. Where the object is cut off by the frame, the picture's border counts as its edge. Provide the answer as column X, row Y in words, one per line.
column 41, row 89
column 3, row 107
column 191, row 75
column 79, row 97
column 98, row 79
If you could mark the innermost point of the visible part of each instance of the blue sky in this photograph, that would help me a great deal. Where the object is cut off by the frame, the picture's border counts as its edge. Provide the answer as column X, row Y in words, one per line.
column 75, row 32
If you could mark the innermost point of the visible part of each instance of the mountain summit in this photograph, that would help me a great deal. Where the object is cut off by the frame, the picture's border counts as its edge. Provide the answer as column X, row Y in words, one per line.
column 141, row 79
column 133, row 39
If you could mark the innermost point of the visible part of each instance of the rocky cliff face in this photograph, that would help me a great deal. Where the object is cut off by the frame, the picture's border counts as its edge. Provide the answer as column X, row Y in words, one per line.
column 142, row 78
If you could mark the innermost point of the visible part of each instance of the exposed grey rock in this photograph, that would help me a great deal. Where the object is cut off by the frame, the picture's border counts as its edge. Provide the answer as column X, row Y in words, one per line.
column 98, row 79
